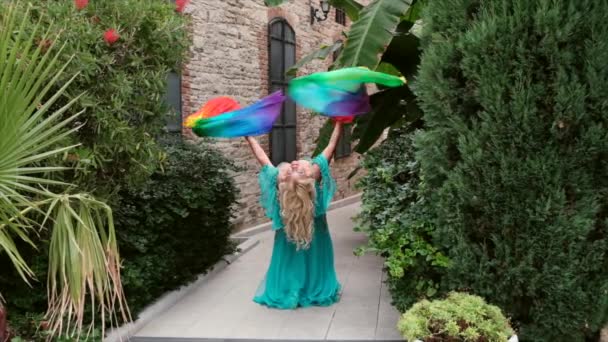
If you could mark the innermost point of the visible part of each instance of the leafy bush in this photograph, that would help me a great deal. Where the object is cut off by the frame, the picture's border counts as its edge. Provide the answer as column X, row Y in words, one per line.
column 396, row 219
column 169, row 229
column 124, row 81
column 460, row 317
column 177, row 224
column 514, row 157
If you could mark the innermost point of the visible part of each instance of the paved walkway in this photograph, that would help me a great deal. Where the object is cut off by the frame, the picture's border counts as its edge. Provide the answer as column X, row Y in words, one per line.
column 222, row 308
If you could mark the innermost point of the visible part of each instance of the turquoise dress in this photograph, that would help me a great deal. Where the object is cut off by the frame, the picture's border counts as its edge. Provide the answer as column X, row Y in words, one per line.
column 306, row 277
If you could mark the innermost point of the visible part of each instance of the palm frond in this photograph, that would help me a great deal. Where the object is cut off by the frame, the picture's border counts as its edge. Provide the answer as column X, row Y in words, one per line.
column 83, row 257
column 84, row 263
column 28, row 132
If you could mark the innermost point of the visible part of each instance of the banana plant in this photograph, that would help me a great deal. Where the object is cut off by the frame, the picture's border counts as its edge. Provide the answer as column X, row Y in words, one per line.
column 83, row 259
column 379, row 38
column 369, row 36
column 321, row 54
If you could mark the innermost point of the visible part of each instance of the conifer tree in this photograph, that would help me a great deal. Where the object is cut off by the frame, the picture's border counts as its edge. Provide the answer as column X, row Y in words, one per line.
column 514, row 157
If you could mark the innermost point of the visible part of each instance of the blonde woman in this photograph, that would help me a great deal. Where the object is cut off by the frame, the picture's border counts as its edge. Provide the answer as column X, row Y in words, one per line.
column 295, row 197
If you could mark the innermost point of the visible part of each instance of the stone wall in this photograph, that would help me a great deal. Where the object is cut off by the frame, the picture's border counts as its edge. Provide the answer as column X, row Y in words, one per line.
column 229, row 57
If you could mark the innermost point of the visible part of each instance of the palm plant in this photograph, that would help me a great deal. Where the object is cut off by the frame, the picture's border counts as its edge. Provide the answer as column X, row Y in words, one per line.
column 83, row 261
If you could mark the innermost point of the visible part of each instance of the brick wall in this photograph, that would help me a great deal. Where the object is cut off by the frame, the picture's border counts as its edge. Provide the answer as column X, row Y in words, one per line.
column 229, row 57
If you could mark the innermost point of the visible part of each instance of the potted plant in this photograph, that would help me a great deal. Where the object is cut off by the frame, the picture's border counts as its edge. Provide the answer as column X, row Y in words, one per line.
column 459, row 317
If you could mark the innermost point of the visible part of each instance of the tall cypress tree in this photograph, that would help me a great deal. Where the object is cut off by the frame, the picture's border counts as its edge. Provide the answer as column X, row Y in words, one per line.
column 515, row 156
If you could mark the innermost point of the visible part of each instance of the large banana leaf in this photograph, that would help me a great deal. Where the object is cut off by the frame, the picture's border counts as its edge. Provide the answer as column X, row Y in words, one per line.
column 404, row 54
column 86, row 263
column 371, row 34
column 321, row 54
column 414, row 12
column 389, row 106
column 395, row 105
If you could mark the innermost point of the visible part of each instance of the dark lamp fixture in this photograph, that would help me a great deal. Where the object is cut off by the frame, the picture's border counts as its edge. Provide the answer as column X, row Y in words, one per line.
column 314, row 12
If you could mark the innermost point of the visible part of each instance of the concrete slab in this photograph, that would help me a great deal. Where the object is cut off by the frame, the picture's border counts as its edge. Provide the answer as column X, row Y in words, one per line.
column 221, row 309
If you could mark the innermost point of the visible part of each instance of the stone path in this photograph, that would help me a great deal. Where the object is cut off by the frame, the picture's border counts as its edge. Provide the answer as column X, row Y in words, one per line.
column 222, row 308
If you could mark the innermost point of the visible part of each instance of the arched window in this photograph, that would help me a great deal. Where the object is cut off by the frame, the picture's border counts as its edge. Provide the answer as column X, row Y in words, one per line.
column 173, row 98
column 281, row 56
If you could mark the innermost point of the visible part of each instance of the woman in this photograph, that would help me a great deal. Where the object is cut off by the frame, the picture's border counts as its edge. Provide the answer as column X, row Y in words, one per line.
column 295, row 197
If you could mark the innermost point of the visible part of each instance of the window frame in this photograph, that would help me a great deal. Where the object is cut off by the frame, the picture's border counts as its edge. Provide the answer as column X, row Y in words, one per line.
column 174, row 120
column 284, row 124
column 340, row 16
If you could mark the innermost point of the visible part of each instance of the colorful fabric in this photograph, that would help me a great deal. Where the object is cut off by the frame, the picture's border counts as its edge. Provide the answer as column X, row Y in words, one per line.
column 340, row 92
column 253, row 120
column 213, row 107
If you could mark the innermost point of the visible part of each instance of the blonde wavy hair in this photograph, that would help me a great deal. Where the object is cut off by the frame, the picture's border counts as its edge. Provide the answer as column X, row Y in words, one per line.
column 298, row 210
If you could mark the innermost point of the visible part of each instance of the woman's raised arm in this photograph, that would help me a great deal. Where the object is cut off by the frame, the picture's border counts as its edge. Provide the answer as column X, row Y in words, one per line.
column 328, row 152
column 258, row 151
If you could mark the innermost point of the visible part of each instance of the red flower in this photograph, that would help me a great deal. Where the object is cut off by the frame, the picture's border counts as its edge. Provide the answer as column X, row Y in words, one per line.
column 81, row 4
column 180, row 5
column 111, row 36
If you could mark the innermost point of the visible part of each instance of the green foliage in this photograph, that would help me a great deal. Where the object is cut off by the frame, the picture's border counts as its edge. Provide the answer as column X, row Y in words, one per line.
column 395, row 50
column 124, row 83
column 177, row 220
column 515, row 157
column 27, row 74
column 31, row 327
column 388, row 107
column 177, row 224
column 380, row 39
column 369, row 36
column 83, row 258
column 322, row 53
column 395, row 218
column 460, row 317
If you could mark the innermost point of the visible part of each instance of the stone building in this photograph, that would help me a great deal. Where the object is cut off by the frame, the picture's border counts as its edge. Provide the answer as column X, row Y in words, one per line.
column 241, row 49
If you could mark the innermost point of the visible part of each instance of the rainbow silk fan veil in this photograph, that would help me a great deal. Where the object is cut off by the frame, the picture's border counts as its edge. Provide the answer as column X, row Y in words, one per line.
column 338, row 93
column 222, row 118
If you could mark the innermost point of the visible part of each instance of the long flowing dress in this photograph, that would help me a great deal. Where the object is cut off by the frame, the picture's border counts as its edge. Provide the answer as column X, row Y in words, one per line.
column 305, row 277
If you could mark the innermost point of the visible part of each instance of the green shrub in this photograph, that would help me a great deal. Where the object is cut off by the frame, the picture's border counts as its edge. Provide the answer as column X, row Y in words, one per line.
column 460, row 317
column 124, row 83
column 396, row 220
column 515, row 157
column 170, row 229
column 177, row 224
